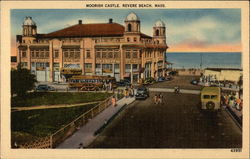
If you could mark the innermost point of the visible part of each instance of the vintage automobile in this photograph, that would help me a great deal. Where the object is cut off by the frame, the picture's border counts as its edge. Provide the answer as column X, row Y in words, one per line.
column 142, row 93
column 210, row 98
column 44, row 88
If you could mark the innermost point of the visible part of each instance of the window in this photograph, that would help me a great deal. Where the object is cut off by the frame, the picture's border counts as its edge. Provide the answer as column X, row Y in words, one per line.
column 23, row 53
column 55, row 64
column 56, row 54
column 116, row 54
column 127, row 68
column 129, row 27
column 66, row 53
column 127, row 54
column 116, row 66
column 107, row 66
column 33, row 64
column 88, row 54
column 135, row 39
column 104, row 54
column 135, row 54
column 98, row 66
column 32, row 53
column 214, row 96
column 135, row 67
column 128, row 39
column 77, row 54
column 42, row 54
column 110, row 54
column 37, row 53
column 206, row 96
column 157, row 32
column 24, row 64
column 98, row 53
column 71, row 55
column 88, row 65
column 47, row 53
column 47, row 64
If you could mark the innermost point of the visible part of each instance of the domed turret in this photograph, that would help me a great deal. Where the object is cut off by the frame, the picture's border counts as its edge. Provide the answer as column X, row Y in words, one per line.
column 159, row 23
column 29, row 27
column 132, row 23
column 132, row 17
column 28, row 21
column 159, row 32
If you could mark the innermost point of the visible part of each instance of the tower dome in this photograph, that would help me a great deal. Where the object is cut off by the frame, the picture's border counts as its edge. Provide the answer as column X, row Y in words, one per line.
column 132, row 17
column 159, row 23
column 28, row 21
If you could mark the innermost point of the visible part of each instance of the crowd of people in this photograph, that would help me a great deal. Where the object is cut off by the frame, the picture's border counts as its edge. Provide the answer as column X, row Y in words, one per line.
column 232, row 100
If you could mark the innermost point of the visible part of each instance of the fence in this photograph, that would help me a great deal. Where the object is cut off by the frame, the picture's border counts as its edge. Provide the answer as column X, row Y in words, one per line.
column 59, row 136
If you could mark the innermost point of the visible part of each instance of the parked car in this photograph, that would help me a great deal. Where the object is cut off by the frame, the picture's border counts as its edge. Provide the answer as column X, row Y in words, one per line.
column 194, row 82
column 173, row 73
column 149, row 80
column 123, row 83
column 142, row 93
column 44, row 88
column 161, row 79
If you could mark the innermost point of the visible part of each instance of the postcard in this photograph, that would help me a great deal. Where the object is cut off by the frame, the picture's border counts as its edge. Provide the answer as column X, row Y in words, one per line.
column 124, row 79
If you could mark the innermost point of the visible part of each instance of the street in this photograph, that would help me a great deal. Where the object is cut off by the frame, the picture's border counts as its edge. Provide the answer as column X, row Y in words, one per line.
column 177, row 123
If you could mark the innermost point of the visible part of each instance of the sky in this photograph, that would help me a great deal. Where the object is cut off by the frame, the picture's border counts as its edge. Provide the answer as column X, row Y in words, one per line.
column 187, row 30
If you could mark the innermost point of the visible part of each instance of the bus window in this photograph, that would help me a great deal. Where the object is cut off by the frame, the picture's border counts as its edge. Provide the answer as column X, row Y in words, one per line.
column 206, row 96
column 214, row 96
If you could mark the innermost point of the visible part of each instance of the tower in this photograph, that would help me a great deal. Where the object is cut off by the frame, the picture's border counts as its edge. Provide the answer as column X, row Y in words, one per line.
column 132, row 28
column 132, row 23
column 29, row 27
column 159, row 32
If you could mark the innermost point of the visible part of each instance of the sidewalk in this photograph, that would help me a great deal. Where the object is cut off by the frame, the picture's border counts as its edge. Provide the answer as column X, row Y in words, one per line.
column 85, row 134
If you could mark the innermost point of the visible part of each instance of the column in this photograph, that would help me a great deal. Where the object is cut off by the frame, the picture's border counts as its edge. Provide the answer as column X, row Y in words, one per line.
column 82, row 56
column 28, row 57
column 60, row 56
column 122, row 64
column 51, row 61
column 94, row 61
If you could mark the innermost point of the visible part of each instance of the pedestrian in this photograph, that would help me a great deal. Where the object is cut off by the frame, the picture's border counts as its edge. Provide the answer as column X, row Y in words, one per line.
column 110, row 86
column 160, row 98
column 156, row 99
column 132, row 89
column 113, row 101
column 80, row 146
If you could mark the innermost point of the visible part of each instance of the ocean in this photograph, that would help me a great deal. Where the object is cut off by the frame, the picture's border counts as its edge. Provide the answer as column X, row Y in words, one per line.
column 205, row 60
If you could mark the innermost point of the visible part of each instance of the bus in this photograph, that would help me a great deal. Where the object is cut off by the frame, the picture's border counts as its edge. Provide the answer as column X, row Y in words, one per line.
column 91, row 83
column 210, row 98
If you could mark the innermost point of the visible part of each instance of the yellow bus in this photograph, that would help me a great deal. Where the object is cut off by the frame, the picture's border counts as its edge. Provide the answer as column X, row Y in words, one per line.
column 91, row 83
column 210, row 98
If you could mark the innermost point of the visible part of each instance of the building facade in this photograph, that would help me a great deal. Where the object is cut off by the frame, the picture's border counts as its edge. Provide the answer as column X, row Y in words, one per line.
column 94, row 49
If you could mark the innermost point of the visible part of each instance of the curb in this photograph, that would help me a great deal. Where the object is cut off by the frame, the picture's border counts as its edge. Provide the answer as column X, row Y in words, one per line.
column 235, row 118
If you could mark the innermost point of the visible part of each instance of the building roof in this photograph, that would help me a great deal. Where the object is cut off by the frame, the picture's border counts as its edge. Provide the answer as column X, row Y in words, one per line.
column 28, row 21
column 159, row 23
column 88, row 30
column 132, row 17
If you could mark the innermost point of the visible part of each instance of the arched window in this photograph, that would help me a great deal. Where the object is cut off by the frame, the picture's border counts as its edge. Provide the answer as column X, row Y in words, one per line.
column 157, row 32
column 129, row 27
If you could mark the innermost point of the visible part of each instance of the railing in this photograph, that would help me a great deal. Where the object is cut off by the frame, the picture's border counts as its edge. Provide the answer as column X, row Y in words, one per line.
column 63, row 133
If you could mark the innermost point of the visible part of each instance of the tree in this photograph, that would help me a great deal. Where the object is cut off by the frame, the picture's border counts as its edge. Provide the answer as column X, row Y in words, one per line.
column 22, row 81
